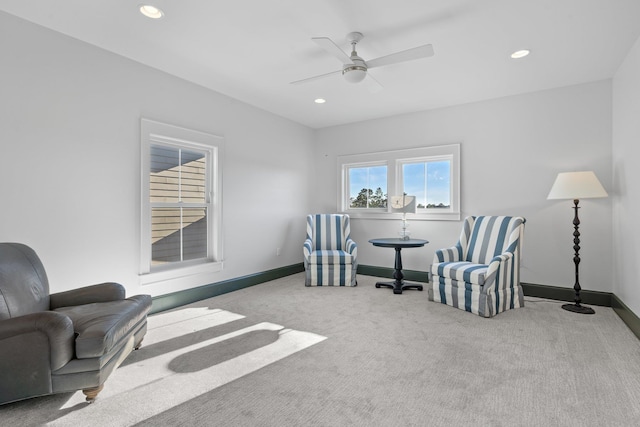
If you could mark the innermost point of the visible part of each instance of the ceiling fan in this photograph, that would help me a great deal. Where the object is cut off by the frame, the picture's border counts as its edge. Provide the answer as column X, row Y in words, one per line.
column 355, row 69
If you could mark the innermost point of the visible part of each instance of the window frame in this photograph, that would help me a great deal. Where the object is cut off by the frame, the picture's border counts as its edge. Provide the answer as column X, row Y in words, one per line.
column 157, row 133
column 394, row 160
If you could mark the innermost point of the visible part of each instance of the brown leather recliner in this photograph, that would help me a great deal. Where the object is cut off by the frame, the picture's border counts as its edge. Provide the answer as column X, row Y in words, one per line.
column 68, row 341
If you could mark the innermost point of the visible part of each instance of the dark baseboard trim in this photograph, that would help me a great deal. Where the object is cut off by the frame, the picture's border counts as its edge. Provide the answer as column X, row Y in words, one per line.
column 371, row 270
column 566, row 294
column 188, row 296
column 627, row 316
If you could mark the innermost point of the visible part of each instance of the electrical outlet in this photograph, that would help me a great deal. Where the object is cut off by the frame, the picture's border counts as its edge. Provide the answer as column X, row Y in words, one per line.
column 278, row 251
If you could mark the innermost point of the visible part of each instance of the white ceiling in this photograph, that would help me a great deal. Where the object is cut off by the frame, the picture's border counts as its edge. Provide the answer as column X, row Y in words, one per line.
column 252, row 49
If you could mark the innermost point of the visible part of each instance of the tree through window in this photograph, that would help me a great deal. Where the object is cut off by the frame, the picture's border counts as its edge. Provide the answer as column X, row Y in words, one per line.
column 368, row 187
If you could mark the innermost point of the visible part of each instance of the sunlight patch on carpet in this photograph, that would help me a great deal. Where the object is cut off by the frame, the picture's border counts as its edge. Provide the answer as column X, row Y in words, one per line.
column 156, row 385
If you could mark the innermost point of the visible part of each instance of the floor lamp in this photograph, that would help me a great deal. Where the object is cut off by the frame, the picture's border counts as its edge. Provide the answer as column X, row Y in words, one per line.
column 576, row 186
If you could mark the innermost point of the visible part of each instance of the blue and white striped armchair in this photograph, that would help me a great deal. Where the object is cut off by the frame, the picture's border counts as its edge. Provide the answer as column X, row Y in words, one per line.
column 481, row 273
column 330, row 256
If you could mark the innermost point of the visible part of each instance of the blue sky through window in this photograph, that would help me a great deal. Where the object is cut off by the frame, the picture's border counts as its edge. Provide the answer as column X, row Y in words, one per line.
column 429, row 181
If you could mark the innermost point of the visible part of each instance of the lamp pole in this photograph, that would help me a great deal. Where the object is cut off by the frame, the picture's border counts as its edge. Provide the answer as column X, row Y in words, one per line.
column 577, row 308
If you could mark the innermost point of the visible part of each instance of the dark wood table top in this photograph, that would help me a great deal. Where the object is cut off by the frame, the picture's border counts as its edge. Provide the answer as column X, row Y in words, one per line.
column 396, row 242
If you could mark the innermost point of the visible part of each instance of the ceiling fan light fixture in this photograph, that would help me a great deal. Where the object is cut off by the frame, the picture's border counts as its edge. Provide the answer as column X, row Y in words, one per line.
column 151, row 11
column 354, row 73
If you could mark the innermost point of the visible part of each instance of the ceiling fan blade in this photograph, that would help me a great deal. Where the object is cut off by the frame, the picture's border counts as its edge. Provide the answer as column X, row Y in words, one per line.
column 328, row 45
column 424, row 51
column 310, row 79
column 372, row 84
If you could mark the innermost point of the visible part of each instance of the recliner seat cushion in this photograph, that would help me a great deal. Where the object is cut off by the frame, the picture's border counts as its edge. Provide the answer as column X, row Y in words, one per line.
column 100, row 326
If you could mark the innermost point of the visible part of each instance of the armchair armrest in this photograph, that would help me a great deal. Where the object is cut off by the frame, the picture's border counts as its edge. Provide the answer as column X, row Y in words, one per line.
column 306, row 249
column 351, row 247
column 102, row 292
column 452, row 254
column 56, row 332
column 498, row 263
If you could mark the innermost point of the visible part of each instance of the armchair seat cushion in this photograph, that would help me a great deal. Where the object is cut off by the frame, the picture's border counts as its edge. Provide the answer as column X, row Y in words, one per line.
column 461, row 271
column 330, row 257
column 101, row 326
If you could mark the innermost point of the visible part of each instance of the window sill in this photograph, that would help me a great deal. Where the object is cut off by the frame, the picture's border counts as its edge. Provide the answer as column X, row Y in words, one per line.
column 178, row 273
column 435, row 216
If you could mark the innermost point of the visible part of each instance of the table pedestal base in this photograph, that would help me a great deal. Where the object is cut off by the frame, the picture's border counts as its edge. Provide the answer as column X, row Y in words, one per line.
column 398, row 285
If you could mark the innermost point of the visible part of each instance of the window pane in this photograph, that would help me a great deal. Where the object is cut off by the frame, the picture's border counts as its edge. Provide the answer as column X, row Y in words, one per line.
column 430, row 182
column 178, row 234
column 177, row 175
column 194, row 233
column 193, row 177
column 164, row 177
column 165, row 235
column 368, row 187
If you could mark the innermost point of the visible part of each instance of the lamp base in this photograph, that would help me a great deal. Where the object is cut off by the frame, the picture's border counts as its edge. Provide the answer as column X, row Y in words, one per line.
column 578, row 309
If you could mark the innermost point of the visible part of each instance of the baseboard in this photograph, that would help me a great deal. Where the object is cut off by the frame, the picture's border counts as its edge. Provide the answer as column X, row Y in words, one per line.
column 188, row 296
column 627, row 316
column 566, row 294
column 371, row 270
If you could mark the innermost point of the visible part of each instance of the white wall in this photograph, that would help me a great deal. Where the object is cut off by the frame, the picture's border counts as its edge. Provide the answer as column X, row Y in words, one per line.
column 626, row 178
column 70, row 162
column 511, row 150
column 70, row 166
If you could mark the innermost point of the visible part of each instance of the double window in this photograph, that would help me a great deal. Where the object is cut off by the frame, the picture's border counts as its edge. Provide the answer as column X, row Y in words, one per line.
column 181, row 210
column 431, row 174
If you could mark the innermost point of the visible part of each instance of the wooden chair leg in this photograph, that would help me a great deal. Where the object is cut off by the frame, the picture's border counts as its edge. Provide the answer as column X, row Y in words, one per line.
column 92, row 393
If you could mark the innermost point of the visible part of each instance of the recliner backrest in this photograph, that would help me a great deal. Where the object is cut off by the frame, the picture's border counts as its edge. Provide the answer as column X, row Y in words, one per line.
column 489, row 236
column 24, row 287
column 328, row 231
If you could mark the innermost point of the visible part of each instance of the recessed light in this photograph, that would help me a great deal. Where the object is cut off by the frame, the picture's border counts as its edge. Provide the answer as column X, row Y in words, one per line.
column 320, row 101
column 151, row 11
column 520, row 54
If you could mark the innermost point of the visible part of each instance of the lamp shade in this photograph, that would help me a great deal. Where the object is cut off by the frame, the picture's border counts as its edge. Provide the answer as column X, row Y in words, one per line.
column 403, row 204
column 576, row 185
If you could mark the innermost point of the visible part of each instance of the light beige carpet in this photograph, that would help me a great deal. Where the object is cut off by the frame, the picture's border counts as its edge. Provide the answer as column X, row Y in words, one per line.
column 280, row 354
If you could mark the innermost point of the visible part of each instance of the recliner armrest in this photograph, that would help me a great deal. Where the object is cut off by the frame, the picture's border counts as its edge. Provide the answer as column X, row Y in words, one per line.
column 56, row 328
column 103, row 292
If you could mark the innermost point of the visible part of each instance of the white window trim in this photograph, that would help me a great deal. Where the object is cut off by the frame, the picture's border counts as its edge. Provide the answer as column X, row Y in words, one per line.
column 394, row 161
column 152, row 131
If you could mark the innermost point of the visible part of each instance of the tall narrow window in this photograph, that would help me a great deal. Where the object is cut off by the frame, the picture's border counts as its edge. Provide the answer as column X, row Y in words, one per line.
column 178, row 192
column 181, row 201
